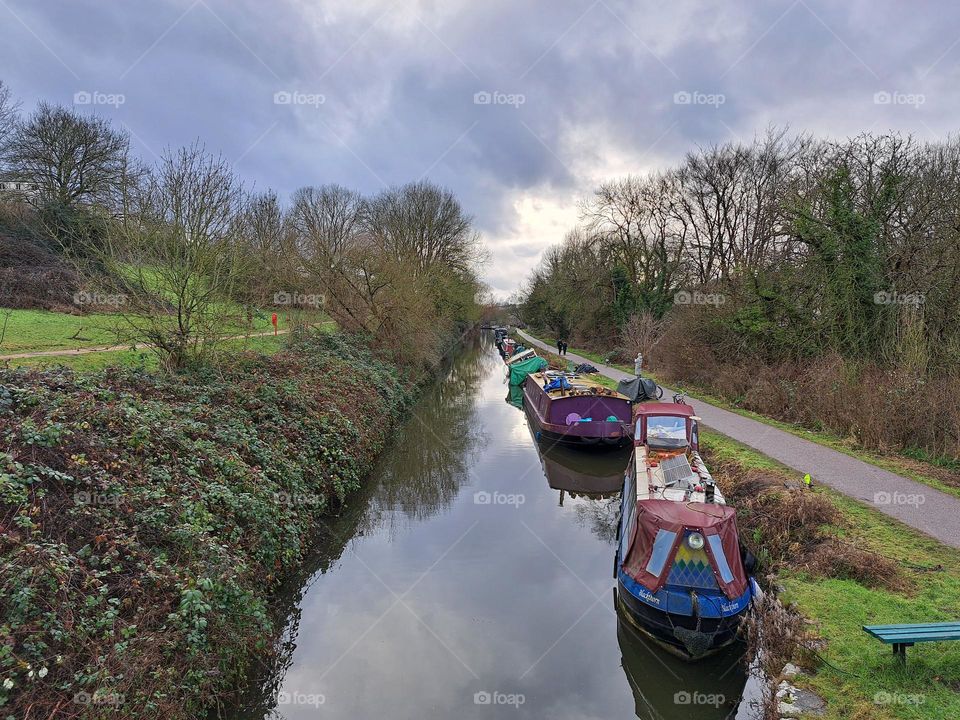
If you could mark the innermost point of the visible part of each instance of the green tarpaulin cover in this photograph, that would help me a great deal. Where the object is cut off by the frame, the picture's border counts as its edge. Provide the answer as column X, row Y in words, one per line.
column 520, row 370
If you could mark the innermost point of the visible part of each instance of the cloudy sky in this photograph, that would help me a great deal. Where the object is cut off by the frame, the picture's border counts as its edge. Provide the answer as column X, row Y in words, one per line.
column 520, row 106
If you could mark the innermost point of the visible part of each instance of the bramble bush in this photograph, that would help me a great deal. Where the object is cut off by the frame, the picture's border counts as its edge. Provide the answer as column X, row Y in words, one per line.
column 146, row 518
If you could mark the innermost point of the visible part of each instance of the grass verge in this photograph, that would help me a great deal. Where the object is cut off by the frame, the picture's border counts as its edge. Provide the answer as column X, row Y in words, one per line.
column 912, row 579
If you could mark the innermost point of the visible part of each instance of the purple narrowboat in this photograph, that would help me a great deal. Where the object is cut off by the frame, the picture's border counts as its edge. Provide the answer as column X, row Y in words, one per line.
column 575, row 409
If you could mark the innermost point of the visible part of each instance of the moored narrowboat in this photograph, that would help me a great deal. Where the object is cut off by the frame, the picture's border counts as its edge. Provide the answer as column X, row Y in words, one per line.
column 575, row 409
column 682, row 576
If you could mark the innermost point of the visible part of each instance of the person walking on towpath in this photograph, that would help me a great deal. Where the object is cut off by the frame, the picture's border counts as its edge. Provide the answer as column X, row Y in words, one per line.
column 638, row 364
column 559, row 346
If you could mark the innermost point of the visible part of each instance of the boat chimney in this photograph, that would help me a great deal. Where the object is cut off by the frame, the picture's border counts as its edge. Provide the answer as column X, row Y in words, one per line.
column 708, row 489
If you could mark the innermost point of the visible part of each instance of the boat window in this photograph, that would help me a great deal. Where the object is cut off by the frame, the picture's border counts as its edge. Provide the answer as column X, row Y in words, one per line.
column 666, row 431
column 661, row 549
column 716, row 547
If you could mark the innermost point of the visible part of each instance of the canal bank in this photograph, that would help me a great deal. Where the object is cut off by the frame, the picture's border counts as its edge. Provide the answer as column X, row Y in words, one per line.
column 147, row 519
column 474, row 581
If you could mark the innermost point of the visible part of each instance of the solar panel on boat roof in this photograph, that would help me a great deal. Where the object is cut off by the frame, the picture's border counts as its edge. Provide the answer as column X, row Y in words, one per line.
column 676, row 469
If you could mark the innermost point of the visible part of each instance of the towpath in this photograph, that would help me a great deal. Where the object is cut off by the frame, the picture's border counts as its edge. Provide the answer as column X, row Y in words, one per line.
column 919, row 506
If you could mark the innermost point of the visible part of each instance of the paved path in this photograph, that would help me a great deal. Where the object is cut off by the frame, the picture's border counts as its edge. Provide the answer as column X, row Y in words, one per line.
column 112, row 348
column 920, row 506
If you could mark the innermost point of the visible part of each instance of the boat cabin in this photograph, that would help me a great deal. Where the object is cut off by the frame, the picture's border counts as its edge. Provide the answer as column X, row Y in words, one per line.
column 666, row 458
column 665, row 426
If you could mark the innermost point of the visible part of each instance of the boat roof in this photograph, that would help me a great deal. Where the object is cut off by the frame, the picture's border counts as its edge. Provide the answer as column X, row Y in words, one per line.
column 663, row 408
column 699, row 515
column 577, row 382
column 521, row 356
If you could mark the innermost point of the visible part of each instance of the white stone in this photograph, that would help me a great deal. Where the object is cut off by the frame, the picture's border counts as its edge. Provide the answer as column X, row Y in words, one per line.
column 787, row 710
column 790, row 670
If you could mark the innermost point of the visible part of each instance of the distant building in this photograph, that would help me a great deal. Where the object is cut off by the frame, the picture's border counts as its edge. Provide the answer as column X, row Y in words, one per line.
column 19, row 187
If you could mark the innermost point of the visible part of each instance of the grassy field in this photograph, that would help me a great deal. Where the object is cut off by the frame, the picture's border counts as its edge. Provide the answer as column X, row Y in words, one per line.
column 39, row 330
column 146, row 359
column 939, row 475
column 860, row 678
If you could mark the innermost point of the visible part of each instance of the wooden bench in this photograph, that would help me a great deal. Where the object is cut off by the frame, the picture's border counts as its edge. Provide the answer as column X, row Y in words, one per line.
column 903, row 636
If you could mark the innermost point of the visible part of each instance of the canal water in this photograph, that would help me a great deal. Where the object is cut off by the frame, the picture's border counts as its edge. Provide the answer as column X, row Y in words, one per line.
column 473, row 579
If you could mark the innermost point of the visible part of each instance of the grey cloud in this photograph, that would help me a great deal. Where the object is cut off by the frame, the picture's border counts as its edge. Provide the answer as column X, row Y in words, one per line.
column 598, row 83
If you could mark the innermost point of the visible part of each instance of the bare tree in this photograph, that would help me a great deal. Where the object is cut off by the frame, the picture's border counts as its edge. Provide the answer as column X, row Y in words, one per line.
column 398, row 268
column 637, row 230
column 272, row 244
column 9, row 114
column 178, row 263
column 264, row 224
column 327, row 221
column 425, row 224
column 74, row 159
column 642, row 333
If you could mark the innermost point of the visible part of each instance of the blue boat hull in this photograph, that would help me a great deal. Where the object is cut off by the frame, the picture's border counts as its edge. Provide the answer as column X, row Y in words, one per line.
column 670, row 617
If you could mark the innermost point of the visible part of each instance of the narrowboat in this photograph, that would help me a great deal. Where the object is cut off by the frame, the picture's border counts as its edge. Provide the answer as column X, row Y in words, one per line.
column 574, row 409
column 520, row 365
column 520, row 356
column 499, row 336
column 682, row 575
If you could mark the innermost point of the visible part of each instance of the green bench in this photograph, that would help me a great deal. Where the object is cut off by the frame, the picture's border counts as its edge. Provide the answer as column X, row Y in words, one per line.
column 903, row 636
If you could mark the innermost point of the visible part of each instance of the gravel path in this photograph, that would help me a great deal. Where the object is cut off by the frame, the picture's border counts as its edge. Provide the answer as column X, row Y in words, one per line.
column 919, row 506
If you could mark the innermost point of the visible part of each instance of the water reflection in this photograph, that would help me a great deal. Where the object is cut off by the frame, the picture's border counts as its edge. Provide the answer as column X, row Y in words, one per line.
column 424, row 599
column 259, row 698
column 595, row 477
column 579, row 473
column 427, row 464
column 665, row 686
